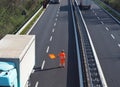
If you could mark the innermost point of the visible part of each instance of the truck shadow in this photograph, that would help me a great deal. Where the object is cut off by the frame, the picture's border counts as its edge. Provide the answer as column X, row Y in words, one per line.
column 72, row 65
column 64, row 8
column 37, row 69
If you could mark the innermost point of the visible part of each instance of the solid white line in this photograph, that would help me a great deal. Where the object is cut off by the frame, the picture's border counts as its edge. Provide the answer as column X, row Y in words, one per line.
column 43, row 64
column 112, row 36
column 51, row 38
column 36, row 85
column 47, row 49
column 107, row 28
column 54, row 24
column 29, row 22
column 53, row 30
column 95, row 55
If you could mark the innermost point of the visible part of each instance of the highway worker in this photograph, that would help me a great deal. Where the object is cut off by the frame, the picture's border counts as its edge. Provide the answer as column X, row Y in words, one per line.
column 62, row 58
column 44, row 3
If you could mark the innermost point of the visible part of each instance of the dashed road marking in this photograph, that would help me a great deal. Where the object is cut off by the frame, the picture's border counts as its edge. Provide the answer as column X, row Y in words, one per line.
column 47, row 49
column 43, row 64
column 107, row 28
column 58, row 12
column 59, row 8
column 98, row 18
column 118, row 45
column 57, row 15
column 36, row 85
column 51, row 38
column 102, row 22
column 53, row 30
column 95, row 14
column 54, row 24
column 112, row 36
column 55, row 19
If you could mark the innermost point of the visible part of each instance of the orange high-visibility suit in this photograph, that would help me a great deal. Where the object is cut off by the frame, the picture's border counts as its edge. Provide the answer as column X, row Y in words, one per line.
column 62, row 58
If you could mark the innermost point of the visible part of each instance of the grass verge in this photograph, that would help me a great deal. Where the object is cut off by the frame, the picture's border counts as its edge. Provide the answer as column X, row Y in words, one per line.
column 25, row 30
column 102, row 5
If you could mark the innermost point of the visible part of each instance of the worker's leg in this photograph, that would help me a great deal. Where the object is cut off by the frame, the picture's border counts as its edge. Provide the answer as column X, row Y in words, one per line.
column 62, row 63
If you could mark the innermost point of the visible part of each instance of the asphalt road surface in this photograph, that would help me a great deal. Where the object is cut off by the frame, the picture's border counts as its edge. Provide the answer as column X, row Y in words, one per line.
column 105, row 34
column 54, row 32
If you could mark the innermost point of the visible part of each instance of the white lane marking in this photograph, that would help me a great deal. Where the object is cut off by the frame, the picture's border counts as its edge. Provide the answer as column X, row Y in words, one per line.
column 95, row 55
column 51, row 38
column 53, row 30
column 118, row 45
column 56, row 19
column 95, row 14
column 54, row 24
column 107, row 28
column 57, row 15
column 36, row 85
column 47, row 49
column 112, row 36
column 43, row 64
column 101, row 22
column 93, row 11
column 58, row 12
column 59, row 8
column 98, row 18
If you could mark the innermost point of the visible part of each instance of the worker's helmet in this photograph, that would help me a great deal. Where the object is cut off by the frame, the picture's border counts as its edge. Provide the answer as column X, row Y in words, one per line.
column 62, row 51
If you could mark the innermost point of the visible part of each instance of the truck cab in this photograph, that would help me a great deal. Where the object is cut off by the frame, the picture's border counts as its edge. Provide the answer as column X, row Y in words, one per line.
column 8, row 74
column 15, row 52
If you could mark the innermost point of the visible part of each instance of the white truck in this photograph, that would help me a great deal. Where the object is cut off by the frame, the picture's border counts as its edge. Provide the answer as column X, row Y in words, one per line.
column 85, row 4
column 17, row 59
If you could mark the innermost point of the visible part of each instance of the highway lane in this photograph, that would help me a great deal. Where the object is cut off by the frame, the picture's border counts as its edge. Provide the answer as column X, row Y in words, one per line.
column 105, row 34
column 54, row 32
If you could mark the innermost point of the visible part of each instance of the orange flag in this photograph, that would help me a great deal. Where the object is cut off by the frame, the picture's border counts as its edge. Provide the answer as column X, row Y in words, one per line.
column 51, row 56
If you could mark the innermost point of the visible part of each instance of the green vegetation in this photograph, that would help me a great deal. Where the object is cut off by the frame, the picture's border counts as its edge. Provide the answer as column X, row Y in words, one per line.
column 14, row 13
column 114, row 4
column 31, row 23
column 108, row 9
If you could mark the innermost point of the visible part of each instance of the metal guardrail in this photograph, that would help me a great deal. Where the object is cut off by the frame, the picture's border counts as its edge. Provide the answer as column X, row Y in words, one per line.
column 77, row 47
column 93, row 71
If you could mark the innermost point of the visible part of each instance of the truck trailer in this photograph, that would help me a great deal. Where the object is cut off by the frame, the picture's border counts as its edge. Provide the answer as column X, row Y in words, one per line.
column 17, row 59
column 85, row 4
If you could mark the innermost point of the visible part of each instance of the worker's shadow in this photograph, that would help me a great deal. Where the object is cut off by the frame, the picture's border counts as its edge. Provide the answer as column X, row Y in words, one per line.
column 39, row 68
